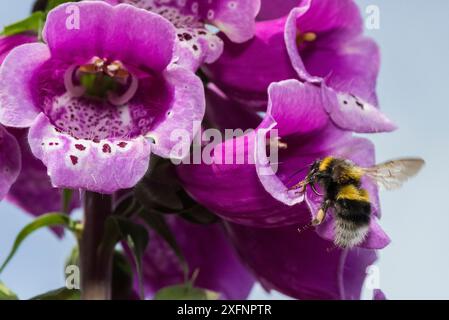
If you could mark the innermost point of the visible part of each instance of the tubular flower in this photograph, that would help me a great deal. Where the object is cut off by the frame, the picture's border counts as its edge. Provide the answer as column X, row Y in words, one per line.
column 207, row 251
column 321, row 42
column 197, row 43
column 305, row 133
column 94, row 97
column 301, row 265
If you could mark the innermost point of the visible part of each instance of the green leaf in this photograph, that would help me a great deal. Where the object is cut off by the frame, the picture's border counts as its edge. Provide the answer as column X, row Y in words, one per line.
column 127, row 207
column 46, row 220
column 199, row 215
column 34, row 23
column 73, row 258
column 185, row 292
column 67, row 196
column 157, row 222
column 122, row 277
column 6, row 293
column 135, row 235
column 159, row 188
column 59, row 294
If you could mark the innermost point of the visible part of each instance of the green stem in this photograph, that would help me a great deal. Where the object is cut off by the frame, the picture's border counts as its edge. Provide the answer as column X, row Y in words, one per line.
column 95, row 260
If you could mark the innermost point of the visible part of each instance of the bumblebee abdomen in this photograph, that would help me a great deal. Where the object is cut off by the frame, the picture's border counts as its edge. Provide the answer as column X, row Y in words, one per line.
column 352, row 216
column 349, row 234
column 356, row 211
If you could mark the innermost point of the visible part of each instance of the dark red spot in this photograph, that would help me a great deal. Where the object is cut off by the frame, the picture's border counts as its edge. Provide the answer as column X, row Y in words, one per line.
column 74, row 159
column 96, row 140
column 360, row 105
column 80, row 147
column 107, row 148
column 122, row 144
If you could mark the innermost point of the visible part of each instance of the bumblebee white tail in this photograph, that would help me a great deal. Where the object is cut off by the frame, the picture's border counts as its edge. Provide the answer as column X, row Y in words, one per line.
column 349, row 234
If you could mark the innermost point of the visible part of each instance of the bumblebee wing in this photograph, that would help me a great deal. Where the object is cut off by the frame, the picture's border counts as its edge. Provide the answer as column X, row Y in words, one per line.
column 392, row 174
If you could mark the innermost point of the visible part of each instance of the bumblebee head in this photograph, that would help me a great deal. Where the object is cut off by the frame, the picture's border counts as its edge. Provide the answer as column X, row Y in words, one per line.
column 313, row 172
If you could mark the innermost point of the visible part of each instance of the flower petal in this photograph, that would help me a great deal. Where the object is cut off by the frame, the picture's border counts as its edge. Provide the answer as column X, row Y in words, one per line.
column 245, row 71
column 10, row 161
column 10, row 42
column 301, row 265
column 354, row 114
column 17, row 108
column 78, row 32
column 206, row 250
column 272, row 9
column 297, row 108
column 348, row 65
column 187, row 111
column 322, row 18
column 103, row 166
column 236, row 18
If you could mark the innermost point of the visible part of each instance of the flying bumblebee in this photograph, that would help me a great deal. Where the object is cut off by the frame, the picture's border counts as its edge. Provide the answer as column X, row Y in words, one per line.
column 340, row 180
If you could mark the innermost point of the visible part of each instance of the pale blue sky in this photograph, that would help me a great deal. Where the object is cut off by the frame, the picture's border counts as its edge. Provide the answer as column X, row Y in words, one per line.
column 414, row 38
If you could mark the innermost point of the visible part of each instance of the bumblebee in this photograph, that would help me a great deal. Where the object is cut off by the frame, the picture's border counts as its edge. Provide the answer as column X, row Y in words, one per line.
column 340, row 180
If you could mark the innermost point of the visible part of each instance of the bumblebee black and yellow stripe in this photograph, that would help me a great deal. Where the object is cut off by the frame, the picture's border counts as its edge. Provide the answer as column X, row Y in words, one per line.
column 351, row 192
column 325, row 163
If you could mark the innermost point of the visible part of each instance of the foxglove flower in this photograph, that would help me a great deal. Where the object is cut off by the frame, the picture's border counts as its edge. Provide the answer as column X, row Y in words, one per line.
column 320, row 42
column 306, row 133
column 198, row 43
column 97, row 91
column 302, row 266
column 207, row 251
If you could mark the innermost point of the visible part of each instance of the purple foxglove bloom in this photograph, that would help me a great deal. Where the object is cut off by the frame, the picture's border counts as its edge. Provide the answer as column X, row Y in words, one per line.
column 306, row 133
column 10, row 161
column 320, row 41
column 97, row 91
column 207, row 250
column 301, row 265
column 197, row 43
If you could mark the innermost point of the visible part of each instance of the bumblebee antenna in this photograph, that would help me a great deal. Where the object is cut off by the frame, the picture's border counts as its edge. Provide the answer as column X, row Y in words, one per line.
column 295, row 173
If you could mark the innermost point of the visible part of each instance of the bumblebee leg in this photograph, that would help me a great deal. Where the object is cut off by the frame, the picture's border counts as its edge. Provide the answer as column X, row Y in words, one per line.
column 321, row 214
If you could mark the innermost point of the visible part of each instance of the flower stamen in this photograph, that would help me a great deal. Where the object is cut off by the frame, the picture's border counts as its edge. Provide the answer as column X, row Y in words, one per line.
column 303, row 38
column 102, row 79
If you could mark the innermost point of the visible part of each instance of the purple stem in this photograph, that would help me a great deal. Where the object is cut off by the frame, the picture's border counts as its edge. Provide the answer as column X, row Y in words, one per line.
column 95, row 261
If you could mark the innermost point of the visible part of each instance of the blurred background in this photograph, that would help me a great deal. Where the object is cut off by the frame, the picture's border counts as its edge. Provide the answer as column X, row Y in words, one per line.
column 413, row 88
